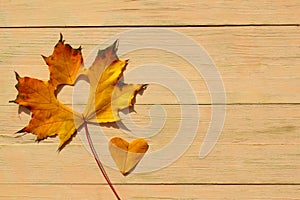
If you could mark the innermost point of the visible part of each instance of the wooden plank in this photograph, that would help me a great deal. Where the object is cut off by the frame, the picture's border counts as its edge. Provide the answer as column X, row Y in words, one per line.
column 120, row 13
column 259, row 144
column 257, row 64
column 70, row 191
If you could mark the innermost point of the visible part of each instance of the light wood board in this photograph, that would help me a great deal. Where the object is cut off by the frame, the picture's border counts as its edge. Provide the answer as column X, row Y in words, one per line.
column 255, row 48
column 141, row 13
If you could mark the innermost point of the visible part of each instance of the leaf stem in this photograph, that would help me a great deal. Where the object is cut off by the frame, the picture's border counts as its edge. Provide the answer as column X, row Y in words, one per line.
column 99, row 163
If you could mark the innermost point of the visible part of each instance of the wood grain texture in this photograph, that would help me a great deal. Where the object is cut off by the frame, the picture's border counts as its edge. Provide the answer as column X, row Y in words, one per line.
column 255, row 46
column 153, row 12
column 262, row 149
column 152, row 192
column 257, row 65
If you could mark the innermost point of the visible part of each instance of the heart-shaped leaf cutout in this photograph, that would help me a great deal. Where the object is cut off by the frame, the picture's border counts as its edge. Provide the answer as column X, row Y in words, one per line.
column 127, row 155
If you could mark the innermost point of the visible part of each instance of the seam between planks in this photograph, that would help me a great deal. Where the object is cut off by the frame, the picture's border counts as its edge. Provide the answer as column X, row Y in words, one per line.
column 200, row 184
column 153, row 26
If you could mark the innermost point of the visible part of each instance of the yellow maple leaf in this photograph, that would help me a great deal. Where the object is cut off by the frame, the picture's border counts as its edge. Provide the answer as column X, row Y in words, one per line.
column 108, row 94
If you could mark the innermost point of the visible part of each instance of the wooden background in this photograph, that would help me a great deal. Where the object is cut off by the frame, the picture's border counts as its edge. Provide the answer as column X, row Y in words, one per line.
column 256, row 47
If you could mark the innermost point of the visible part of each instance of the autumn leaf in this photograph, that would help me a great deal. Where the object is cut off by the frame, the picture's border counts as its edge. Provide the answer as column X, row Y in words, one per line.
column 48, row 116
column 127, row 155
column 64, row 64
column 108, row 93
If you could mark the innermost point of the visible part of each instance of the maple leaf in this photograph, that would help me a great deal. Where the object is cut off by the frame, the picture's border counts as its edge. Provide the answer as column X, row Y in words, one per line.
column 108, row 93
column 64, row 64
column 49, row 117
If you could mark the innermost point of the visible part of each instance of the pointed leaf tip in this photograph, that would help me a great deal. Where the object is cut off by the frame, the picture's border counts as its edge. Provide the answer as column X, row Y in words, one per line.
column 21, row 131
column 60, row 37
column 17, row 75
column 44, row 58
column 115, row 45
column 144, row 86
